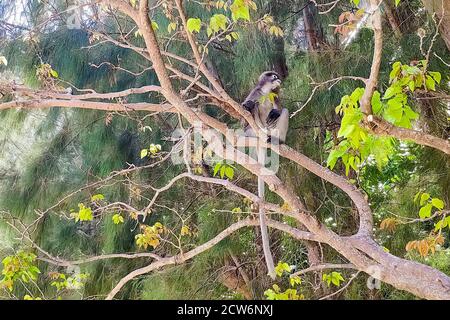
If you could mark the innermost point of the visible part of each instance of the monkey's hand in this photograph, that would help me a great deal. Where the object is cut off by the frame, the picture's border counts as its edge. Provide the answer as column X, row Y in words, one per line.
column 249, row 105
column 274, row 140
column 273, row 116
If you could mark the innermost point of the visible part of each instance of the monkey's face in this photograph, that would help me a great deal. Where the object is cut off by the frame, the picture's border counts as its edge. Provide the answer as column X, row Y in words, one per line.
column 270, row 79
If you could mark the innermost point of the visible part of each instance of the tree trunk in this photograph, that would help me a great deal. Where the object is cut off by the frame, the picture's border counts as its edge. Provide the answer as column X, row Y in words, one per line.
column 312, row 32
column 392, row 19
column 442, row 10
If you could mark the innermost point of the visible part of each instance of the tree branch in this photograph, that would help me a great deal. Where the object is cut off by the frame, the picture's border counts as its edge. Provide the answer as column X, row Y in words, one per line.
column 182, row 257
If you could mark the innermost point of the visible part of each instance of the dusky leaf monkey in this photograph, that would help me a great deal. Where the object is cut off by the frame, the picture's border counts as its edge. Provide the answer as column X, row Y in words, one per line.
column 264, row 104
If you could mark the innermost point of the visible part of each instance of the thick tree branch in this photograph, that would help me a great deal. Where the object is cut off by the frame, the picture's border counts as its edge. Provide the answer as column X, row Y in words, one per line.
column 385, row 128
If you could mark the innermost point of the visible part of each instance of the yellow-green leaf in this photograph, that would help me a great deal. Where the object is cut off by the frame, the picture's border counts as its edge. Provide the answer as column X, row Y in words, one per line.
column 430, row 83
column 97, row 197
column 54, row 73
column 144, row 153
column 117, row 218
column 194, row 24
column 154, row 26
column 171, row 27
column 436, row 76
column 437, row 203
column 218, row 22
column 240, row 10
column 425, row 211
column 424, row 197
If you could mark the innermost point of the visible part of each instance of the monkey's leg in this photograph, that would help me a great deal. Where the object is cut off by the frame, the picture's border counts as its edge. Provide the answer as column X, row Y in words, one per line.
column 249, row 132
column 262, row 220
column 281, row 127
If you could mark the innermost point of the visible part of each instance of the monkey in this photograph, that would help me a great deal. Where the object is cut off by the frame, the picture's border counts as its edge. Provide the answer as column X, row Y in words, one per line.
column 264, row 104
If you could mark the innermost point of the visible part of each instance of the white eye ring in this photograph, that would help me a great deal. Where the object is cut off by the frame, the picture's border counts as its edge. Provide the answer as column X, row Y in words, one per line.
column 274, row 77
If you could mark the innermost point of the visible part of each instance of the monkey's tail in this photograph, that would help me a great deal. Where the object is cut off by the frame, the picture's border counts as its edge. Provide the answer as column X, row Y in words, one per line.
column 262, row 220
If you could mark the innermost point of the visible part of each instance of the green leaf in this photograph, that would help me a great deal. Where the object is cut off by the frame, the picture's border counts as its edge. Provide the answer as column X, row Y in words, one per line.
column 144, row 153
column 425, row 211
column 239, row 10
column 437, row 203
column 376, row 102
column 85, row 213
column 270, row 294
column 357, row 94
column 117, row 218
column 281, row 268
column 436, row 76
column 229, row 172
column 171, row 27
column 335, row 155
column 441, row 224
column 345, row 131
column 410, row 113
column 392, row 91
column 424, row 197
column 217, row 168
column 332, row 159
column 194, row 24
column 393, row 114
column 218, row 22
column 296, row 280
column 397, row 2
column 404, row 122
column 396, row 67
column 154, row 26
column 54, row 73
column 416, row 197
column 154, row 148
column 430, row 83
column 336, row 278
column 97, row 197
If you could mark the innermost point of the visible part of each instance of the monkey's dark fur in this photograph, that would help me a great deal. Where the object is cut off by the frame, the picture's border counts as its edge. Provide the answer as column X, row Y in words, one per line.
column 264, row 104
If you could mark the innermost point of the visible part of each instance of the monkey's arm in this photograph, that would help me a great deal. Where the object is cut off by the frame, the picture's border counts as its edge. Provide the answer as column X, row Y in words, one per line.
column 252, row 100
column 273, row 116
column 249, row 105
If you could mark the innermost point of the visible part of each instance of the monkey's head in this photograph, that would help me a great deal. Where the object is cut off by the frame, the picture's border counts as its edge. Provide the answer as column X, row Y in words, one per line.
column 270, row 80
